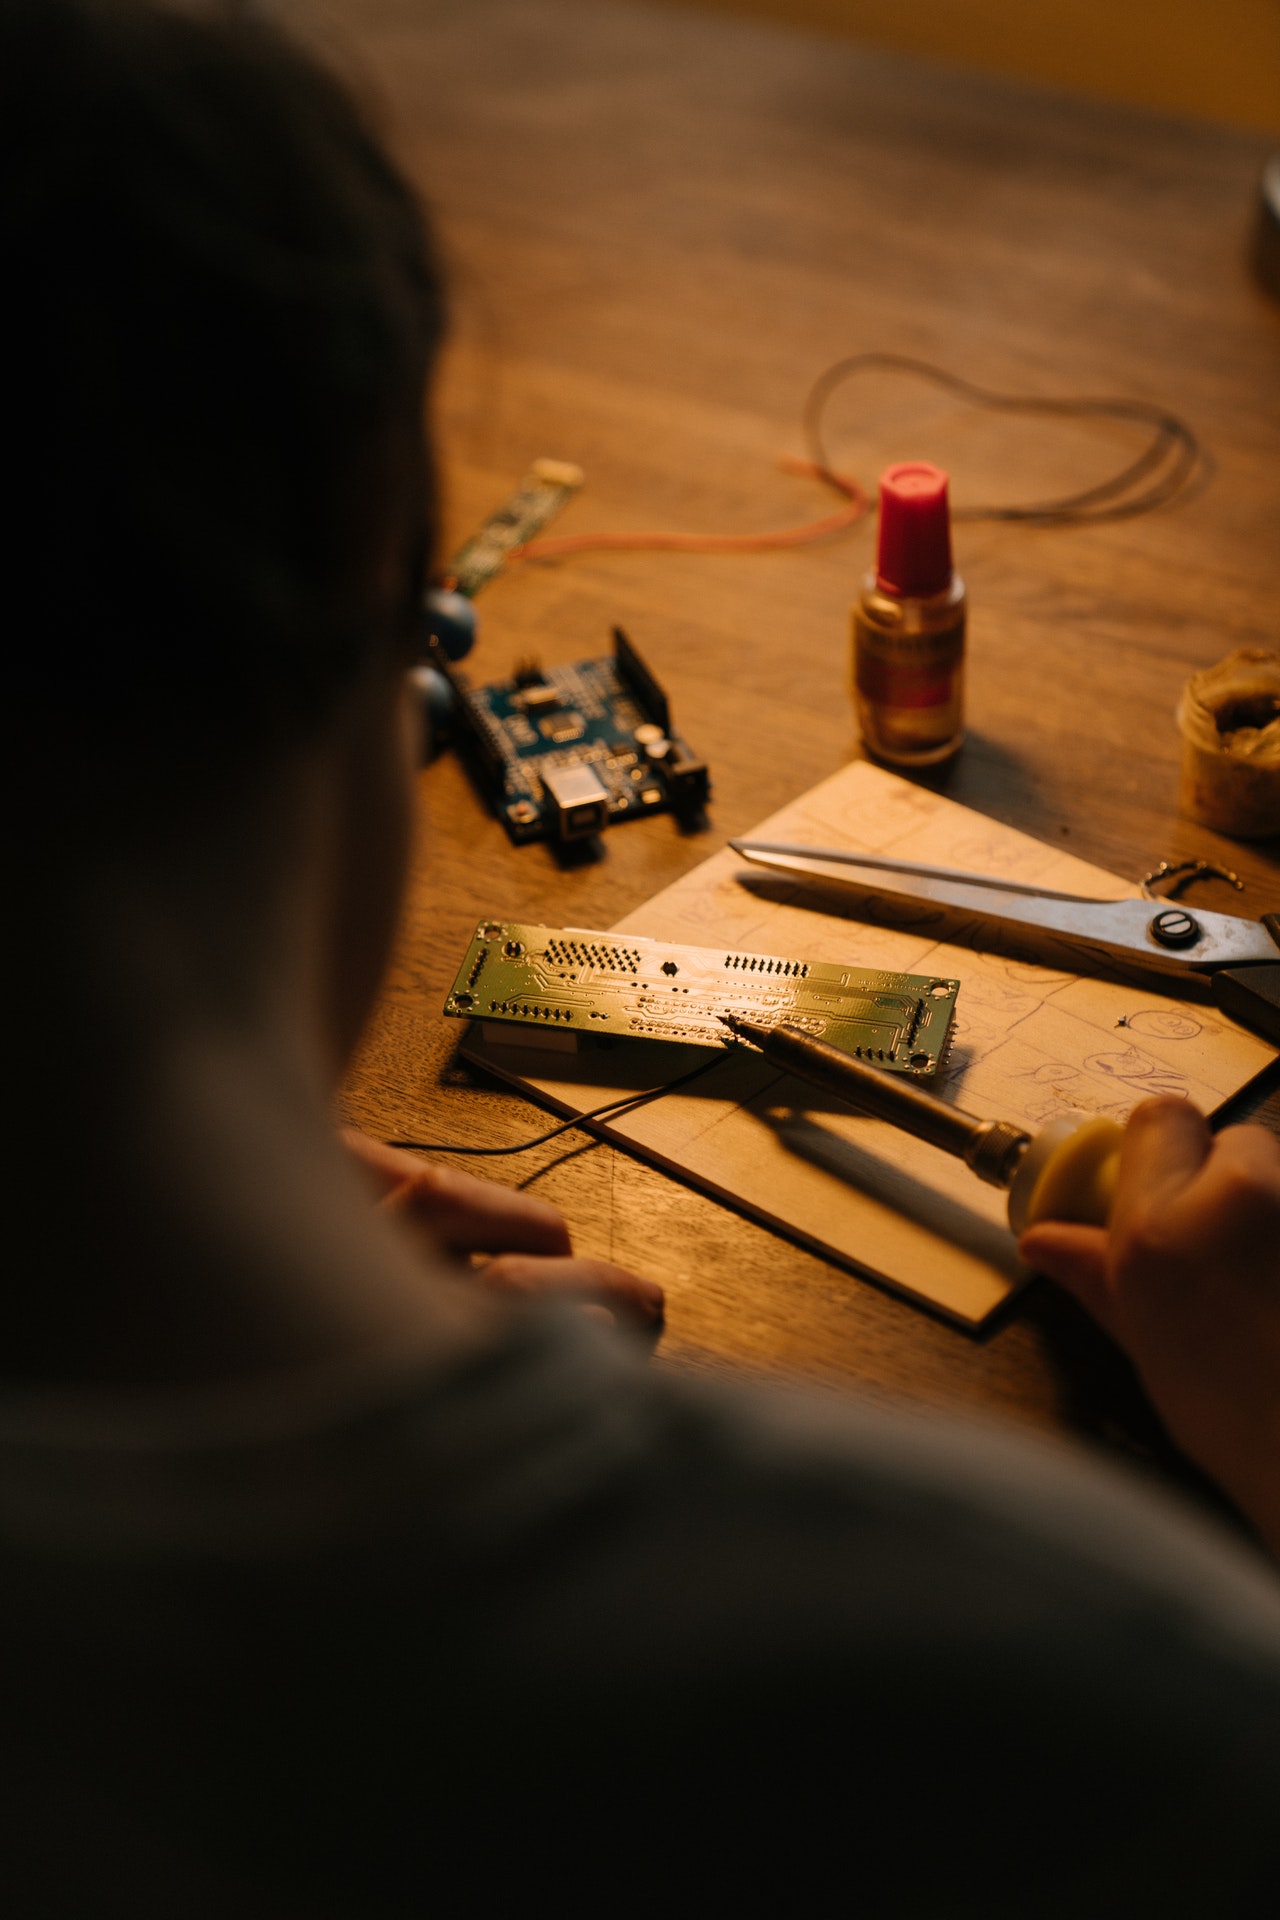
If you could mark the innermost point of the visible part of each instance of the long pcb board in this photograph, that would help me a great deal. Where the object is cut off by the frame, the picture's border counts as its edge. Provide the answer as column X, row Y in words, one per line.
column 571, row 981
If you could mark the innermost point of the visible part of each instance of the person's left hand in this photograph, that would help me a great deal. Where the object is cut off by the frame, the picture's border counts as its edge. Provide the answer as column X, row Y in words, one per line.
column 525, row 1242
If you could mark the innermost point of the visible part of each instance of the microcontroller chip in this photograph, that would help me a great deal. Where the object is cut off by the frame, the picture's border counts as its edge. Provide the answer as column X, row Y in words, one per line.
column 540, row 699
column 562, row 727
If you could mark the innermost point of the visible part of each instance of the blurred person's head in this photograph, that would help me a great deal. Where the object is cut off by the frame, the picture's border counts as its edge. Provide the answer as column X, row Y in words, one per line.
column 221, row 310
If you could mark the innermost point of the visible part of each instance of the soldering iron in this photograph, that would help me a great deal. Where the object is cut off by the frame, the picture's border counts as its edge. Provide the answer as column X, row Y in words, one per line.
column 1066, row 1171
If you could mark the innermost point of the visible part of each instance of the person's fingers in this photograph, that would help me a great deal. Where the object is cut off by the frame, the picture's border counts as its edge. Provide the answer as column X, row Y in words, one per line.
column 1250, row 1155
column 598, row 1281
column 1076, row 1257
column 468, row 1215
column 386, row 1167
column 478, row 1216
column 1189, row 1206
column 1233, row 1204
column 1165, row 1144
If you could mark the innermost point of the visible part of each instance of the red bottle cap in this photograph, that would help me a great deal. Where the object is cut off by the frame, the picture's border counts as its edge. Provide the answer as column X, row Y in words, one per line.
column 913, row 557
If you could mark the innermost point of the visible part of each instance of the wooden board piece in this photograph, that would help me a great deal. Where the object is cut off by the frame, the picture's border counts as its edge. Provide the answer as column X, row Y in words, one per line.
column 1031, row 1043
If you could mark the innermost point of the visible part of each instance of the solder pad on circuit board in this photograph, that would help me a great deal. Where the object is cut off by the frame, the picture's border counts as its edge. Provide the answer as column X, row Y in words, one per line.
column 572, row 981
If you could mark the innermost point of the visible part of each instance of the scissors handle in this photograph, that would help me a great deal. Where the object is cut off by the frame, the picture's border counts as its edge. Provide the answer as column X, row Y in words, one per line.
column 1251, row 995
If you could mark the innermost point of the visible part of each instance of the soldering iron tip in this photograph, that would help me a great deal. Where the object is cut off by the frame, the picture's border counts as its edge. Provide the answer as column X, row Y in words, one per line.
column 743, row 1029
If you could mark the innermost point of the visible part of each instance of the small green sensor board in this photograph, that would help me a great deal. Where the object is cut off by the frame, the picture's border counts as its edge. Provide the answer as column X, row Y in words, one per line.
column 569, row 981
column 545, row 490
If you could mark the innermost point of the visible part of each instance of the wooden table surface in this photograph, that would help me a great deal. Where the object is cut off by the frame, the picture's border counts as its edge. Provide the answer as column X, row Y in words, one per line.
column 661, row 226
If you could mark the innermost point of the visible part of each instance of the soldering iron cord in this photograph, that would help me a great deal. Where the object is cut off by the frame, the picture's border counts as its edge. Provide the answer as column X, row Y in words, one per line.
column 1174, row 454
column 611, row 1108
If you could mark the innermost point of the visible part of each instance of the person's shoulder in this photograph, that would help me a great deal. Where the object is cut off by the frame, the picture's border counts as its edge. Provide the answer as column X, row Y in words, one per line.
column 816, row 1515
column 830, row 1628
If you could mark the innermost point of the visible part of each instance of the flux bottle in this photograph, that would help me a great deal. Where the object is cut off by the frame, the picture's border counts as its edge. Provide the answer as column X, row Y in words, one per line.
column 909, row 626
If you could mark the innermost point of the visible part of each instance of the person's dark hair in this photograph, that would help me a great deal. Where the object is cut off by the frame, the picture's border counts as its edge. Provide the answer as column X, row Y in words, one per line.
column 221, row 308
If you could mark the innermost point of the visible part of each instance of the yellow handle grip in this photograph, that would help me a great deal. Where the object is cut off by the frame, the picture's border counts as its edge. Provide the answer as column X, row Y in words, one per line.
column 1068, row 1173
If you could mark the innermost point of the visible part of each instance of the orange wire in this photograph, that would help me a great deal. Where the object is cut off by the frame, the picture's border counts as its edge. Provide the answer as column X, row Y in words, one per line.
column 859, row 505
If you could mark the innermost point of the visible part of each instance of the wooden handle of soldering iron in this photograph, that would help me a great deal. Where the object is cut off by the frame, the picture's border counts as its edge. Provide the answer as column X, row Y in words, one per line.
column 1068, row 1172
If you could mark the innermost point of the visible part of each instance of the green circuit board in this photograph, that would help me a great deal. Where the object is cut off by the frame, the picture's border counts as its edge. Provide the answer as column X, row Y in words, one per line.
column 571, row 981
column 548, row 487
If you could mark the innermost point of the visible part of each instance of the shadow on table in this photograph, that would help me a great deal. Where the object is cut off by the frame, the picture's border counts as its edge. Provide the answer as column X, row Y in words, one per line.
column 800, row 1133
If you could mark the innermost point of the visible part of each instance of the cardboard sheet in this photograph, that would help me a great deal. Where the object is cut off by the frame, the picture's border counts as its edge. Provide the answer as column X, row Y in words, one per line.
column 1029, row 1043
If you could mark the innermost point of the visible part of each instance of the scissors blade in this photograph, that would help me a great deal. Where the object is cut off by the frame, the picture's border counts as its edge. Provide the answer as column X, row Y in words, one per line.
column 761, row 849
column 1083, row 934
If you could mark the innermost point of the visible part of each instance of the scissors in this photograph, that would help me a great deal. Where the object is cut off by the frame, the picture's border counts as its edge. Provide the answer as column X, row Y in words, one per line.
column 1221, row 957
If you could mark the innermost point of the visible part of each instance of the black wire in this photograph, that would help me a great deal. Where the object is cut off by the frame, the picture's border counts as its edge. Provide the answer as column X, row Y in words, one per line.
column 611, row 1107
column 1173, row 456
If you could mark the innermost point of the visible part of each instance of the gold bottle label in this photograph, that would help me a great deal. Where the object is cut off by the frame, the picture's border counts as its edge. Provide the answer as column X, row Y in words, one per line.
column 914, row 672
column 909, row 690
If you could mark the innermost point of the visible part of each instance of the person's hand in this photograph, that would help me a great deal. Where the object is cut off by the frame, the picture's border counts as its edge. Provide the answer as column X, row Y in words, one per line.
column 1187, row 1280
column 525, row 1242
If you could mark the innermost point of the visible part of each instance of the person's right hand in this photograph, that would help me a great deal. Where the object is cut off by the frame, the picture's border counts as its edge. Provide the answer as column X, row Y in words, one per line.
column 1187, row 1279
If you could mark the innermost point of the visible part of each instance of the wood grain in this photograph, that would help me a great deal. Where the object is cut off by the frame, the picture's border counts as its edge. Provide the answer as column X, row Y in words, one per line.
column 1221, row 61
column 662, row 226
